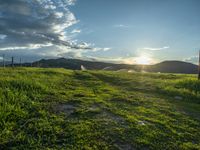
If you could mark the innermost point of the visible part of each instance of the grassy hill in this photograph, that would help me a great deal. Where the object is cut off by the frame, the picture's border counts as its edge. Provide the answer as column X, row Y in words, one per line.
column 75, row 64
column 65, row 109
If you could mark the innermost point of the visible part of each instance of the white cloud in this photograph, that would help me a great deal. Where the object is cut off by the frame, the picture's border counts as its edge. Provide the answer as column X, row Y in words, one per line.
column 106, row 49
column 156, row 49
column 43, row 28
column 121, row 26
column 29, row 47
column 59, row 14
column 76, row 31
column 192, row 59
column 44, row 21
column 50, row 7
column 71, row 2
column 84, row 45
column 95, row 49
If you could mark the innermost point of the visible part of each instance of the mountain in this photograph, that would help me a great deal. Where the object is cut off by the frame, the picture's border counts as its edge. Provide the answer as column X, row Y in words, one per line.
column 76, row 64
column 174, row 67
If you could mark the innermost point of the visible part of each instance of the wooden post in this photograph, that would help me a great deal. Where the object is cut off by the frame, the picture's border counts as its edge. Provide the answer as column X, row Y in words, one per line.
column 199, row 67
column 12, row 61
column 4, row 61
column 20, row 62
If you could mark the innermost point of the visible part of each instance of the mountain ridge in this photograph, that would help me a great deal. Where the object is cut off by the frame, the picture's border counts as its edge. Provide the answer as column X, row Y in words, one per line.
column 168, row 66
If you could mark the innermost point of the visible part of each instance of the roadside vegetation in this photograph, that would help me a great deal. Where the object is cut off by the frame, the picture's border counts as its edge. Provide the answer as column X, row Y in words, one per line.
column 65, row 109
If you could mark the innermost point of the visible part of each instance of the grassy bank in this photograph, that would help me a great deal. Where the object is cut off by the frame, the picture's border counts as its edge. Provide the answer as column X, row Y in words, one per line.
column 58, row 108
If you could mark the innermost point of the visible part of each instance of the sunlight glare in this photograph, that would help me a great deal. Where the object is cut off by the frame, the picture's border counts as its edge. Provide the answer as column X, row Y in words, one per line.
column 143, row 60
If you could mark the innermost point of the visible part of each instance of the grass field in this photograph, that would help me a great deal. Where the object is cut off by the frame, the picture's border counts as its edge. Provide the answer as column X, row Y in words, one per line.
column 64, row 109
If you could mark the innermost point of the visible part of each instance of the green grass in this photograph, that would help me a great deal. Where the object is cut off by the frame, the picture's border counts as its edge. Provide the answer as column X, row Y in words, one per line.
column 64, row 109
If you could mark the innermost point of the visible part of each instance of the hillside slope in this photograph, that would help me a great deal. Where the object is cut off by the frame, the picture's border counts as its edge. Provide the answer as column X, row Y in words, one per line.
column 174, row 67
column 65, row 109
column 75, row 64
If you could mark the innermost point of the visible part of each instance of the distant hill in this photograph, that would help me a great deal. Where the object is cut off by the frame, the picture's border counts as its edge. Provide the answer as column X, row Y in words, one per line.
column 75, row 64
column 174, row 67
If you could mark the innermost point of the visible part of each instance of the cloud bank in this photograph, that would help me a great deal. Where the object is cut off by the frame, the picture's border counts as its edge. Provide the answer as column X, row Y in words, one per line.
column 121, row 26
column 39, row 27
column 156, row 49
column 192, row 59
column 35, row 22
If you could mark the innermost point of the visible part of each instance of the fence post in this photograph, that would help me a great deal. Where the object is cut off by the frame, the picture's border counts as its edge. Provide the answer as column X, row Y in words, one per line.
column 20, row 62
column 199, row 67
column 4, row 60
column 12, row 61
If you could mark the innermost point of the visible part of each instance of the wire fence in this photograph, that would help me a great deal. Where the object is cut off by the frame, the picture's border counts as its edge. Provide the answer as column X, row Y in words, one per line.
column 11, row 61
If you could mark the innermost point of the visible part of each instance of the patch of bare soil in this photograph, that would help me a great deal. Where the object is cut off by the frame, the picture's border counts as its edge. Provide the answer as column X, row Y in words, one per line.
column 124, row 146
column 108, row 115
column 67, row 109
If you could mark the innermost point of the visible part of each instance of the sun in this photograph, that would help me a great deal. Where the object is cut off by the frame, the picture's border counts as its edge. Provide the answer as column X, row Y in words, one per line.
column 143, row 60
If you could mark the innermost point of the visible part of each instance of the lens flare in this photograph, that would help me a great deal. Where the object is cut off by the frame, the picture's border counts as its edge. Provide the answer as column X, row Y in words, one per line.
column 143, row 60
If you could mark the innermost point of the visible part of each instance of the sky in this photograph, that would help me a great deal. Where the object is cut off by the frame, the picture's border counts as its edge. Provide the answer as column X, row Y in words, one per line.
column 119, row 31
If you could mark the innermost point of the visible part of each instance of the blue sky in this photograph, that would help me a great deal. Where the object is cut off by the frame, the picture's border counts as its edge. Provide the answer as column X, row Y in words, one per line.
column 130, row 27
column 122, row 31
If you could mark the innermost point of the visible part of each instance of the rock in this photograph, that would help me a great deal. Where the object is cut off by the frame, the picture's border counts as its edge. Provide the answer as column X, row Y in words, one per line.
column 178, row 98
column 142, row 123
